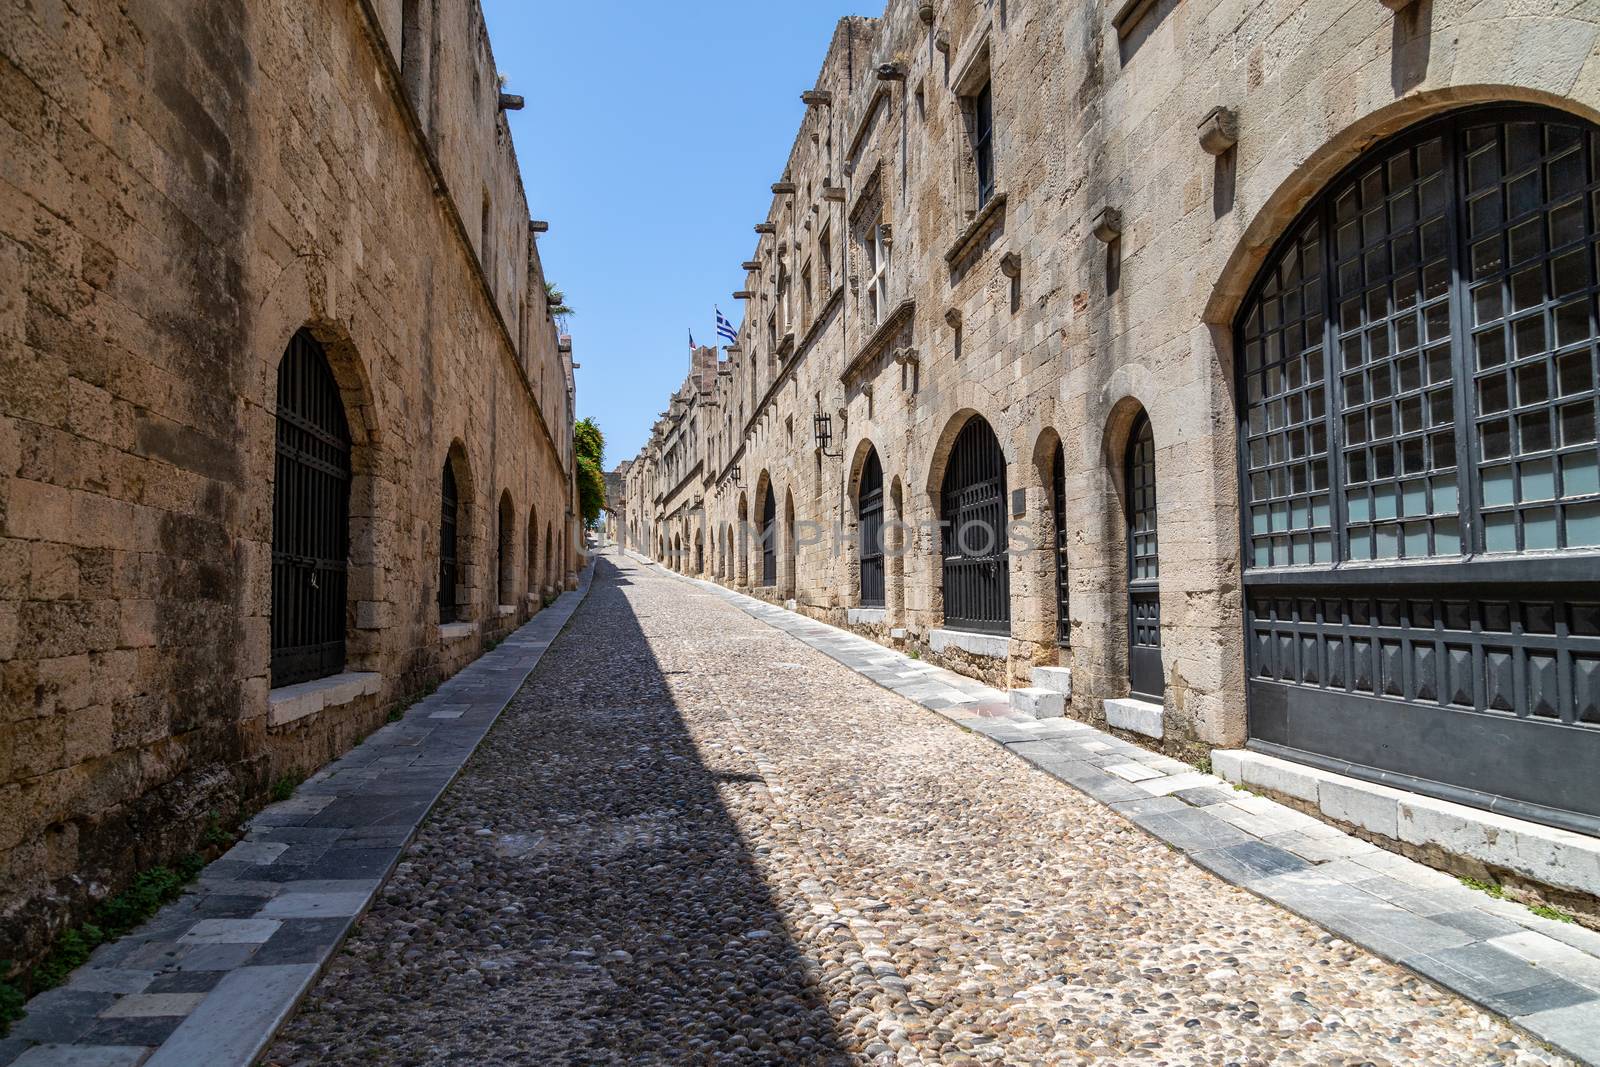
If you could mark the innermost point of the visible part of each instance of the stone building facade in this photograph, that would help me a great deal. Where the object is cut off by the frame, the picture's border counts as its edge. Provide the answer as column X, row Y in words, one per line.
column 269, row 276
column 1234, row 331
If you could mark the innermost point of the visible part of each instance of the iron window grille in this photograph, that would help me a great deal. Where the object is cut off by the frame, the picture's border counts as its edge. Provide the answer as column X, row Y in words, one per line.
column 769, row 540
column 1145, row 675
column 870, row 515
column 310, row 518
column 977, row 582
column 449, row 510
column 1058, row 508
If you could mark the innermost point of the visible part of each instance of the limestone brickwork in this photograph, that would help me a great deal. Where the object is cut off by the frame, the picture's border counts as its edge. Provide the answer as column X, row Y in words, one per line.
column 188, row 184
column 1022, row 314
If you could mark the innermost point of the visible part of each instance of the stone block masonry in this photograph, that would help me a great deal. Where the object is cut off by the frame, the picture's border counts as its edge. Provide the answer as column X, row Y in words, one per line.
column 190, row 187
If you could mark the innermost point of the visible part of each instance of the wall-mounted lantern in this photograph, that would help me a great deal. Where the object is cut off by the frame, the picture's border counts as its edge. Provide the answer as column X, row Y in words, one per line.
column 822, row 429
column 1219, row 130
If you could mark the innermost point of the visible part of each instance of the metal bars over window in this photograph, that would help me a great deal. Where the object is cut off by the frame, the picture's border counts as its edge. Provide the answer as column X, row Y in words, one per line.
column 769, row 540
column 1145, row 675
column 977, row 582
column 310, row 518
column 869, row 510
column 1058, row 512
column 1418, row 360
column 449, row 510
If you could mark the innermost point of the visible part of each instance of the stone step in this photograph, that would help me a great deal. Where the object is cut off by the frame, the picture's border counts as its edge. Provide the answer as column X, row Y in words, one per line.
column 1055, row 679
column 1039, row 703
column 1137, row 716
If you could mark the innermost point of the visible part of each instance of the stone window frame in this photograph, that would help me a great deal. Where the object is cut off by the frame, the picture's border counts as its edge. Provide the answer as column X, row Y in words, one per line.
column 970, row 86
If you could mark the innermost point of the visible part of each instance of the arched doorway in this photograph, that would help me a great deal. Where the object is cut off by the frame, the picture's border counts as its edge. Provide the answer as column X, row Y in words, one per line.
column 310, row 518
column 1058, row 518
column 1146, row 678
column 769, row 539
column 1420, row 482
column 505, row 555
column 869, row 530
column 972, row 511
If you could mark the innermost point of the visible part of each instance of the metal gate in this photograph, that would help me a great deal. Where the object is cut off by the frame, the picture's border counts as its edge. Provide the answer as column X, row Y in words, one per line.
column 1058, row 507
column 869, row 510
column 310, row 518
column 1419, row 473
column 449, row 507
column 769, row 540
column 1146, row 679
column 972, row 504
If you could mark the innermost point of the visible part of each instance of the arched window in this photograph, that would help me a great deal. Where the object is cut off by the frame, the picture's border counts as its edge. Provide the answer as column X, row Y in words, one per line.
column 972, row 510
column 310, row 518
column 1417, row 426
column 532, row 578
column 769, row 539
column 506, row 556
column 1058, row 514
column 550, row 577
column 1145, row 675
column 869, row 519
column 449, row 544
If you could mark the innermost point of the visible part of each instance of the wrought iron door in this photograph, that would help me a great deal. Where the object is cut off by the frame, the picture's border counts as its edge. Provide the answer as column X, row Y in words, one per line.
column 1419, row 472
column 1146, row 678
column 449, row 508
column 769, row 540
column 1058, row 507
column 977, row 582
column 310, row 518
column 869, row 510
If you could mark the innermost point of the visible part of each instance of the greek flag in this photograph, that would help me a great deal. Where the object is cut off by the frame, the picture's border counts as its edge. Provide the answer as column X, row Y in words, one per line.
column 725, row 328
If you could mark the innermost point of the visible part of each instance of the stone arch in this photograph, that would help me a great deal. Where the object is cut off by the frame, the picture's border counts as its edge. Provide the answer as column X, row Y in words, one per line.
column 505, row 556
column 933, row 489
column 531, row 582
column 852, row 550
column 551, row 577
column 788, row 577
column 457, row 593
column 763, row 544
column 742, row 543
column 1041, row 567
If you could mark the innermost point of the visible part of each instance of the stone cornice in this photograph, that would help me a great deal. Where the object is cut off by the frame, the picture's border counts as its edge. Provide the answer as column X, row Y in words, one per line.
column 880, row 339
column 975, row 229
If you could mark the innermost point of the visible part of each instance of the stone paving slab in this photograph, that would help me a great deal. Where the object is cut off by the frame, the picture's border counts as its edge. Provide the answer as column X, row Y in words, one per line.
column 211, row 978
column 1541, row 974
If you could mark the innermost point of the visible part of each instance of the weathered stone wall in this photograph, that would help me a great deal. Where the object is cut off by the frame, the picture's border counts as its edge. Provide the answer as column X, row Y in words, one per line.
column 1088, row 334
column 187, row 185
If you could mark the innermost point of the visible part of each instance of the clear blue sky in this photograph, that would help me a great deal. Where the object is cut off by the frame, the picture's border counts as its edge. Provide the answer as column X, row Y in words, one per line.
column 652, row 132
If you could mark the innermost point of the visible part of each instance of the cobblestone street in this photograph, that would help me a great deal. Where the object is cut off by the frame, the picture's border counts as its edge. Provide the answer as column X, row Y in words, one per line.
column 693, row 839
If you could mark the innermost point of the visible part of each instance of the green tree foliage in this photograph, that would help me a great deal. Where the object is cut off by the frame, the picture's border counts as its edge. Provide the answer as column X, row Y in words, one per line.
column 560, row 310
column 590, row 446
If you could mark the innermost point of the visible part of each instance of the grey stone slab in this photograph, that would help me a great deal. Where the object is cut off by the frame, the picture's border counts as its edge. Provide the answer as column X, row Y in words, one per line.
column 1498, row 980
column 148, row 1031
column 1248, row 861
column 230, row 932
column 185, row 982
column 237, row 1019
column 63, row 1015
column 315, row 905
column 1148, row 806
column 82, row 1056
column 302, row 941
column 1480, row 924
column 215, row 957
column 110, row 980
column 1203, row 796
column 1193, row 830
column 1575, row 1029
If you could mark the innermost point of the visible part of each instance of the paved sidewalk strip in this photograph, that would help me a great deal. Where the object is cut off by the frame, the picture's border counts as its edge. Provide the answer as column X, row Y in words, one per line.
column 214, row 975
column 1541, row 974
